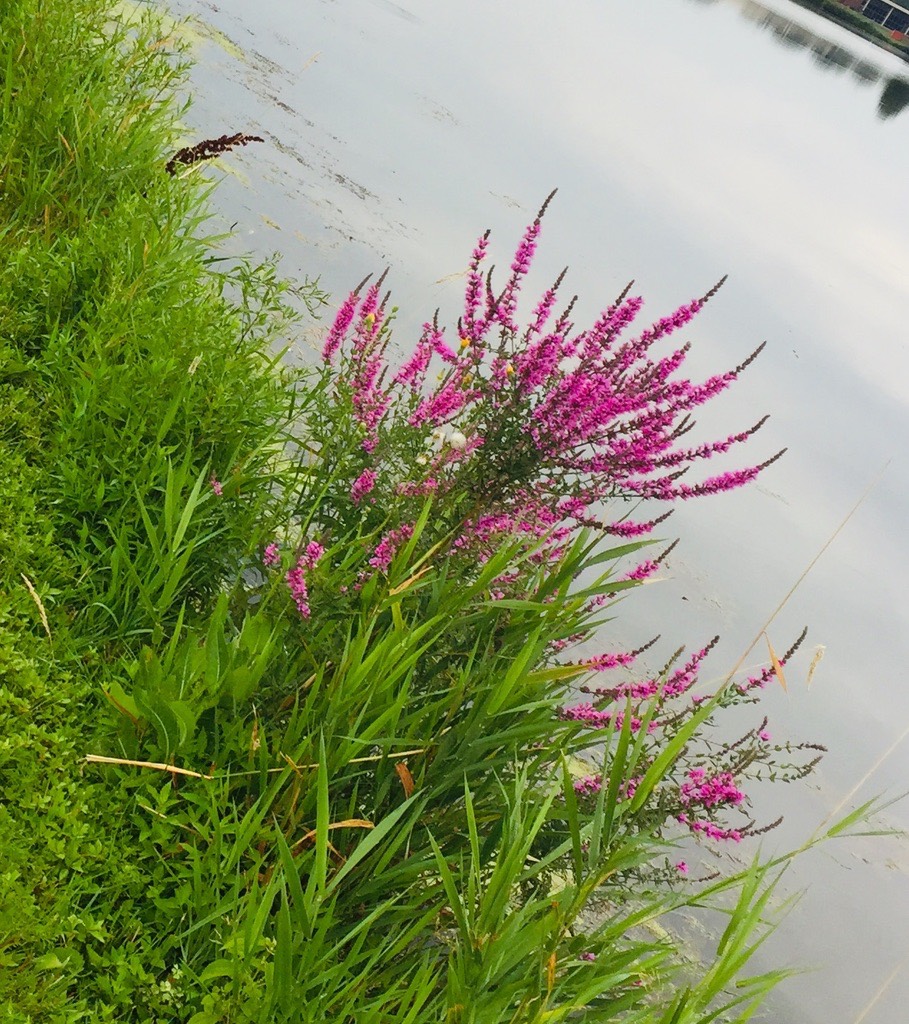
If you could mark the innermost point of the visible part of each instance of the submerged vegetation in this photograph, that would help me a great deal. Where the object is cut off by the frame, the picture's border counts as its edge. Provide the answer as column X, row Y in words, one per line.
column 292, row 730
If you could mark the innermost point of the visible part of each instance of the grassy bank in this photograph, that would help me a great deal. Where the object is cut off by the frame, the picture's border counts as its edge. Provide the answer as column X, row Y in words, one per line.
column 133, row 369
column 290, row 718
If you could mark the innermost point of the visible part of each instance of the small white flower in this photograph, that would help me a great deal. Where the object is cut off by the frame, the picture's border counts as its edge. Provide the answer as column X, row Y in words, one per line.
column 421, row 460
column 457, row 440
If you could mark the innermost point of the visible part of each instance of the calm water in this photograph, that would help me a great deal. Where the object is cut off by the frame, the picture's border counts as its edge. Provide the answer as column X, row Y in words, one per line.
column 688, row 138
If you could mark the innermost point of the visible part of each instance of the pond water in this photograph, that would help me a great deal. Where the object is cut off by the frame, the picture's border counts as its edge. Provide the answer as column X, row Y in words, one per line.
column 688, row 138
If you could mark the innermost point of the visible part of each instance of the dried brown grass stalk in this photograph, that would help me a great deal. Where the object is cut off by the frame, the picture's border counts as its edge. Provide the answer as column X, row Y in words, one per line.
column 41, row 610
column 349, row 823
column 158, row 766
column 805, row 572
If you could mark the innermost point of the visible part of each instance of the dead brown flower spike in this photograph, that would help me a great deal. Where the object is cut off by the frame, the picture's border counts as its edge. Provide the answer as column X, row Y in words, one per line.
column 208, row 149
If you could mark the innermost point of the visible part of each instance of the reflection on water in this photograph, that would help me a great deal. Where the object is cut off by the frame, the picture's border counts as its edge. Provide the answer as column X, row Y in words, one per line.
column 894, row 98
column 826, row 54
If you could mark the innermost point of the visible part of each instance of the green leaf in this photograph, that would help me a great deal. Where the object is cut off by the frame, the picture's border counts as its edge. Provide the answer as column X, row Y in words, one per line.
column 219, row 969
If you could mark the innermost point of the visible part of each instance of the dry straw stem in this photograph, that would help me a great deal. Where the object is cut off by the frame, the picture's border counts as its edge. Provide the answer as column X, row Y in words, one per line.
column 37, row 599
column 354, row 760
column 877, row 995
column 349, row 823
column 158, row 766
column 763, row 630
column 871, row 771
column 161, row 766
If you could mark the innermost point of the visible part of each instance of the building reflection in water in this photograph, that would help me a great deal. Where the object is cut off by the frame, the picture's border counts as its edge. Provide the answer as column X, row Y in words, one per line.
column 829, row 55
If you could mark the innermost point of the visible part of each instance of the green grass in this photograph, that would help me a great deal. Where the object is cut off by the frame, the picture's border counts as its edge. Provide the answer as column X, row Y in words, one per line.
column 132, row 369
column 371, row 816
column 109, row 294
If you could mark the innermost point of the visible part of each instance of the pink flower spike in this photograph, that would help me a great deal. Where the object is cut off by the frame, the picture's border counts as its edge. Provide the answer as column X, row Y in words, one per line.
column 314, row 551
column 643, row 571
column 271, row 556
column 216, row 486
column 590, row 785
column 340, row 327
column 362, row 486
column 296, row 584
column 682, row 867
column 604, row 662
column 387, row 548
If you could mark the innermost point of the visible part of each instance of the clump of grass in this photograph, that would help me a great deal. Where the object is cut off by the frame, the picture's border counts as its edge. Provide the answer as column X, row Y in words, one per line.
column 133, row 370
column 336, row 773
column 142, row 374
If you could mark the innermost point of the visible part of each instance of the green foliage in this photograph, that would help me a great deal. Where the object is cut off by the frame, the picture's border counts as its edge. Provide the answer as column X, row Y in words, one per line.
column 135, row 369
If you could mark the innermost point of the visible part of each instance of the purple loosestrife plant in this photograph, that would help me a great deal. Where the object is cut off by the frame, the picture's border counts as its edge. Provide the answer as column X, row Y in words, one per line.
column 536, row 431
column 534, row 439
column 705, row 796
column 296, row 576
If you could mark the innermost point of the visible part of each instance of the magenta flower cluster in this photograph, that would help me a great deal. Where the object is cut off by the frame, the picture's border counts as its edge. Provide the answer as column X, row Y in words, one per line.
column 533, row 432
column 296, row 577
column 662, row 688
column 367, row 360
column 701, row 795
column 590, row 785
column 589, row 715
column 364, row 483
column 709, row 791
column 545, row 423
column 385, row 551
column 710, row 829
